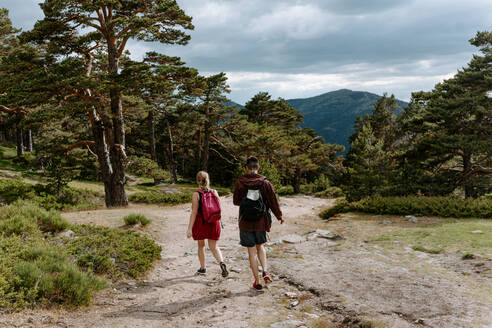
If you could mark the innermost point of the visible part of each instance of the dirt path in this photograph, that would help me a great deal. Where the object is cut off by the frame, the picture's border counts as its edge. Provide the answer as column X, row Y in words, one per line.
column 319, row 283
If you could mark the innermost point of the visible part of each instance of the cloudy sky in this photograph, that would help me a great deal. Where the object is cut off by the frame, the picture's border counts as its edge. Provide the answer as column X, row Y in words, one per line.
column 302, row 48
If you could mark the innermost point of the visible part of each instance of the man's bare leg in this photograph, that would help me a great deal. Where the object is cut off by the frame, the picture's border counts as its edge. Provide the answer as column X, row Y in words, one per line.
column 253, row 263
column 260, row 250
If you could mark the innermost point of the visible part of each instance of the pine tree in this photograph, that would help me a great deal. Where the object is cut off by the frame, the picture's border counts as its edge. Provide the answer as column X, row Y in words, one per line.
column 83, row 29
column 453, row 134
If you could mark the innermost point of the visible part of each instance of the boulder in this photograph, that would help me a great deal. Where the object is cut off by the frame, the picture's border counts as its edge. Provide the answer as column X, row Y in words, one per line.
column 293, row 239
column 412, row 218
column 328, row 234
column 67, row 233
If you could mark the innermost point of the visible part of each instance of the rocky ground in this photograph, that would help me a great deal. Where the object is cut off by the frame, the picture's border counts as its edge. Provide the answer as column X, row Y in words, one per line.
column 320, row 279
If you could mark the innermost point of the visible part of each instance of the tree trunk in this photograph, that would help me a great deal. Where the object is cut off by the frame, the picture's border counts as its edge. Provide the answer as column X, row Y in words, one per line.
column 19, row 140
column 151, row 122
column 199, row 148
column 206, row 139
column 29, row 141
column 296, row 181
column 114, row 132
column 466, row 168
column 172, row 160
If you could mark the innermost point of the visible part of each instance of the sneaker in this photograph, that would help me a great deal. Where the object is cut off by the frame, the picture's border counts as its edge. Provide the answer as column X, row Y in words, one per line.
column 223, row 267
column 258, row 287
column 201, row 272
column 267, row 277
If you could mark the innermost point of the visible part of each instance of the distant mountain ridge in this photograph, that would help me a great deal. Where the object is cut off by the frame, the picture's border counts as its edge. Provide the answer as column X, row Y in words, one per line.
column 332, row 114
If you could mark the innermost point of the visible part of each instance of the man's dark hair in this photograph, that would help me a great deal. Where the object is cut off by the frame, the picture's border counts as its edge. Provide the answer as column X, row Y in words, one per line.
column 253, row 163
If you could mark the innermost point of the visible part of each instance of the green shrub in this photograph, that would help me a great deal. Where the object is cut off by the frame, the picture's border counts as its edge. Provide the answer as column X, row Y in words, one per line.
column 420, row 248
column 133, row 219
column 25, row 217
column 114, row 253
column 145, row 167
column 468, row 256
column 285, row 191
column 156, row 197
column 34, row 271
column 37, row 267
column 424, row 206
column 341, row 206
column 68, row 198
column 330, row 192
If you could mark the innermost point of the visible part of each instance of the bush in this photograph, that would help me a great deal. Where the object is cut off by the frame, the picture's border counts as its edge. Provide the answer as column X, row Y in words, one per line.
column 285, row 191
column 33, row 269
column 39, row 268
column 68, row 198
column 145, row 167
column 133, row 219
column 156, row 197
column 114, row 253
column 425, row 206
column 330, row 192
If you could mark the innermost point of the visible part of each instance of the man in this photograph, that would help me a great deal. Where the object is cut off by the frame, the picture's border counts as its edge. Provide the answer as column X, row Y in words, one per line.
column 256, row 197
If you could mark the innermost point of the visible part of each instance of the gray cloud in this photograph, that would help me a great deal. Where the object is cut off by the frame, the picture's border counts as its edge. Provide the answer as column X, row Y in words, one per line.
column 299, row 48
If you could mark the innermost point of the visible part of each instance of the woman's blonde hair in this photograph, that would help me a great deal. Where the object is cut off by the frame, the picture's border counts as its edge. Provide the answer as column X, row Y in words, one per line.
column 203, row 180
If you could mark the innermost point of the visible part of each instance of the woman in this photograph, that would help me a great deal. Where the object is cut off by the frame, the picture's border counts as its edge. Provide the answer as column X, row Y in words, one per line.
column 201, row 230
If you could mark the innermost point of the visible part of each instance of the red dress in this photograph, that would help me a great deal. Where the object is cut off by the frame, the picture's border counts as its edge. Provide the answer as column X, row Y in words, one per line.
column 202, row 230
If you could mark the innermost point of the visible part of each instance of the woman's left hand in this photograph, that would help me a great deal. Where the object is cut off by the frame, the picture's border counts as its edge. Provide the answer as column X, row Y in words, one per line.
column 189, row 233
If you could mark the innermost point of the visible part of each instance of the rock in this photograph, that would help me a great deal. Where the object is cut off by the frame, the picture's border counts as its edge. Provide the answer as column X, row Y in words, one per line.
column 477, row 231
column 132, row 284
column 67, row 233
column 328, row 234
column 297, row 222
column 386, row 222
column 312, row 315
column 419, row 321
column 236, row 270
column 272, row 243
column 287, row 324
column 293, row 239
column 294, row 303
column 412, row 218
column 168, row 257
column 291, row 295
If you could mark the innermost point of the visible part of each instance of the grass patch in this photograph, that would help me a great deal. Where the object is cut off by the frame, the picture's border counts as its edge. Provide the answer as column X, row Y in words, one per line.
column 468, row 256
column 423, row 206
column 133, row 219
column 454, row 236
column 39, row 268
column 421, row 248
column 156, row 197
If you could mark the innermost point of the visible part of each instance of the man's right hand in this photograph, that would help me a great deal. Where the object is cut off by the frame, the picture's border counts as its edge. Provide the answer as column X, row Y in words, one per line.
column 282, row 221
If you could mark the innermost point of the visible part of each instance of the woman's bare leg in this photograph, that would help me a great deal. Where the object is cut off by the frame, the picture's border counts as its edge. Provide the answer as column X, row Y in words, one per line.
column 214, row 248
column 201, row 253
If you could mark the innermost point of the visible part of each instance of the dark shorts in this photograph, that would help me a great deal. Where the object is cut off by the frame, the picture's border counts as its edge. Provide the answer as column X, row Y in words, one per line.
column 251, row 239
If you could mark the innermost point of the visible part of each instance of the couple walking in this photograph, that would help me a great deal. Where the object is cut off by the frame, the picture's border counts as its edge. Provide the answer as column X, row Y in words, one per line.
column 255, row 197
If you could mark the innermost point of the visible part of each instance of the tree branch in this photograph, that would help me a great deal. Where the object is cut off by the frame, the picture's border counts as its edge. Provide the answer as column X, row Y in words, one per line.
column 18, row 110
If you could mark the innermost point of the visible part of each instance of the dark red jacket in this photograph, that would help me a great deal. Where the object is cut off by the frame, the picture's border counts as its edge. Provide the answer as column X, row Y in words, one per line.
column 268, row 195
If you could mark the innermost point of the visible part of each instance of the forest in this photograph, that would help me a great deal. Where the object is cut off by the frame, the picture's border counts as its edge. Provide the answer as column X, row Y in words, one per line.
column 75, row 101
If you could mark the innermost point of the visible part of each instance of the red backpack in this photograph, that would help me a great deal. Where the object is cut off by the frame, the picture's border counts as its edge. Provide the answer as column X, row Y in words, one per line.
column 210, row 204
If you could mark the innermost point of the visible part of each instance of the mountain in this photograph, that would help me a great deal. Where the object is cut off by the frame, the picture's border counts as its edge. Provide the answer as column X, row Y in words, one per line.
column 234, row 104
column 332, row 115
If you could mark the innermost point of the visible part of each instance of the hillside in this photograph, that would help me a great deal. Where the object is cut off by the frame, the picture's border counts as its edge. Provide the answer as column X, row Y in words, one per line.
column 333, row 114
